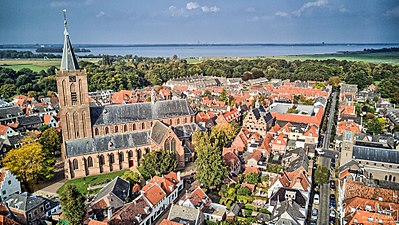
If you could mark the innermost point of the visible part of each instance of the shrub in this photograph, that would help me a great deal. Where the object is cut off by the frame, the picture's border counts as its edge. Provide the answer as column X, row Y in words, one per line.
column 247, row 212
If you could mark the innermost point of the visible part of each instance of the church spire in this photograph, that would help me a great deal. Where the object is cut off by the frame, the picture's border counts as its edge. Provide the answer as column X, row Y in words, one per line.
column 68, row 61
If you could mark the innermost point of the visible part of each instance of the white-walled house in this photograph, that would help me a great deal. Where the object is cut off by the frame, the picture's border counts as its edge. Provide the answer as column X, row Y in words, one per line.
column 9, row 184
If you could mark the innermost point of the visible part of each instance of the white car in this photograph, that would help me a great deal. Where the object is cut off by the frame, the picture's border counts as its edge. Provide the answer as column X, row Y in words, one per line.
column 316, row 199
column 332, row 213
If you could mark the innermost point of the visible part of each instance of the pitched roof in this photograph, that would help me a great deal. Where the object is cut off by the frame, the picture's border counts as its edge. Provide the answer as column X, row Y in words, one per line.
column 24, row 201
column 130, row 212
column 311, row 131
column 359, row 189
column 283, row 194
column 117, row 186
column 370, row 205
column 3, row 129
column 120, row 114
column 158, row 131
column 183, row 214
column 29, row 120
column 68, row 61
column 251, row 169
column 168, row 222
column 370, row 218
column 7, row 221
column 199, row 198
column 256, row 155
column 154, row 194
column 102, row 143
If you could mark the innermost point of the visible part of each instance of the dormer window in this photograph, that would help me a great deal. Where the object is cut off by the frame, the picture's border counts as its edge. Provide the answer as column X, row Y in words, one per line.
column 72, row 79
column 110, row 144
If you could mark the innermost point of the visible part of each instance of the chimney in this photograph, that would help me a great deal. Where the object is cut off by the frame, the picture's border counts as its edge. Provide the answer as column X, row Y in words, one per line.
column 109, row 213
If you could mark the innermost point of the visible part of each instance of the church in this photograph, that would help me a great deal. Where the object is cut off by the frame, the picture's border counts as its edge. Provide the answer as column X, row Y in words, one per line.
column 102, row 139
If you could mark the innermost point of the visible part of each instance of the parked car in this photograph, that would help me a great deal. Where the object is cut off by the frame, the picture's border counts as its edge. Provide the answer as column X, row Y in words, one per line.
column 332, row 221
column 190, row 180
column 316, row 199
column 313, row 222
column 314, row 214
column 332, row 185
column 333, row 203
column 332, row 213
column 333, row 163
column 332, row 196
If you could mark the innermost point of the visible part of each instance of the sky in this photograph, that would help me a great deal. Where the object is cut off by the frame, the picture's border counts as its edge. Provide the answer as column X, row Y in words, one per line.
column 186, row 21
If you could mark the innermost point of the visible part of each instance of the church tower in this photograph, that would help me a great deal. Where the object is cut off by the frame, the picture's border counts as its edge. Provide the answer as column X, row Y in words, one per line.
column 73, row 95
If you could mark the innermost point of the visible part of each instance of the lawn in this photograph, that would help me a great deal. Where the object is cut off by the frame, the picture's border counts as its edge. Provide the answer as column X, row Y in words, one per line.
column 83, row 183
column 35, row 64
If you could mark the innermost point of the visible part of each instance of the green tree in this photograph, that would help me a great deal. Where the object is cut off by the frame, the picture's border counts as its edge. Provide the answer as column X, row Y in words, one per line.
column 321, row 175
column 374, row 126
column 73, row 205
column 251, row 178
column 157, row 163
column 209, row 165
column 132, row 177
column 243, row 191
column 51, row 141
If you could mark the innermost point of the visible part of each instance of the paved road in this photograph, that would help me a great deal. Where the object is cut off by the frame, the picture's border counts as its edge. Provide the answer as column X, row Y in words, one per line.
column 330, row 121
column 325, row 160
column 324, row 209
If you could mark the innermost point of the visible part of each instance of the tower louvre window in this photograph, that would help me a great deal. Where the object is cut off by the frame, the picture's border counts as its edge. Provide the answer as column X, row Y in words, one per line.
column 74, row 98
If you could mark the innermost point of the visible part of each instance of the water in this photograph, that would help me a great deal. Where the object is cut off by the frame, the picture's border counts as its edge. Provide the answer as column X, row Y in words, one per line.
column 239, row 50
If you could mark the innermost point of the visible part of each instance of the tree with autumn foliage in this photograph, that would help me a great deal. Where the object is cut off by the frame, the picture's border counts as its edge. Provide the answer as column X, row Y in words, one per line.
column 28, row 163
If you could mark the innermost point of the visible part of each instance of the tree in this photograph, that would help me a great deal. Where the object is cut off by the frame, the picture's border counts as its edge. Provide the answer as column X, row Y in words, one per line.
column 321, row 175
column 243, row 191
column 43, row 127
column 132, row 177
column 73, row 205
column 209, row 165
column 251, row 178
column 374, row 126
column 334, row 81
column 51, row 141
column 221, row 134
column 157, row 163
column 28, row 163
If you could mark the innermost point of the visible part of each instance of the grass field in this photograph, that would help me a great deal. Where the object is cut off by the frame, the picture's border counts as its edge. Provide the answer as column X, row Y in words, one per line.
column 380, row 57
column 33, row 64
column 84, row 182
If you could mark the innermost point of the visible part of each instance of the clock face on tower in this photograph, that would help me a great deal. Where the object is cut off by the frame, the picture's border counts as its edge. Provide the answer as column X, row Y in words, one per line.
column 72, row 79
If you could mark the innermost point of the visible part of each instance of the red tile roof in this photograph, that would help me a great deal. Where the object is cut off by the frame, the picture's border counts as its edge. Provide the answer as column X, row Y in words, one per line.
column 154, row 194
column 251, row 169
column 370, row 218
column 168, row 222
column 257, row 155
column 198, row 196
column 3, row 129
column 359, row 189
column 7, row 221
column 348, row 126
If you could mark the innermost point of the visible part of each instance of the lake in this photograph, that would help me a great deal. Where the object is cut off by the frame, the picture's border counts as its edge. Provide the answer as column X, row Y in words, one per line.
column 239, row 50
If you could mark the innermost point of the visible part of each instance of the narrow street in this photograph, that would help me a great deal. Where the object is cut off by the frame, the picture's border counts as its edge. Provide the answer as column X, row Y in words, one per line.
column 325, row 161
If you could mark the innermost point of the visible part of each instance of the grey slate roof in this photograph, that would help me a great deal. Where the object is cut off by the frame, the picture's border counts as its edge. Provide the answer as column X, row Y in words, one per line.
column 68, row 61
column 102, row 144
column 280, row 196
column 29, row 120
column 24, row 201
column 158, row 131
column 183, row 214
column 117, row 186
column 118, row 114
column 292, row 208
column 186, row 130
column 376, row 154
column 10, row 111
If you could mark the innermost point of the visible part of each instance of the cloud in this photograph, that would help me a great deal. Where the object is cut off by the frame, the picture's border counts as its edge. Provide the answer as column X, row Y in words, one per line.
column 100, row 14
column 393, row 12
column 192, row 8
column 280, row 13
column 304, row 7
column 192, row 5
column 212, row 9
column 307, row 5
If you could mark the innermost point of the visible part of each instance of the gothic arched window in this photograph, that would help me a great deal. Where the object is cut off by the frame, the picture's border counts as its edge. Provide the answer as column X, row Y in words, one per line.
column 90, row 162
column 106, row 130
column 75, row 164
